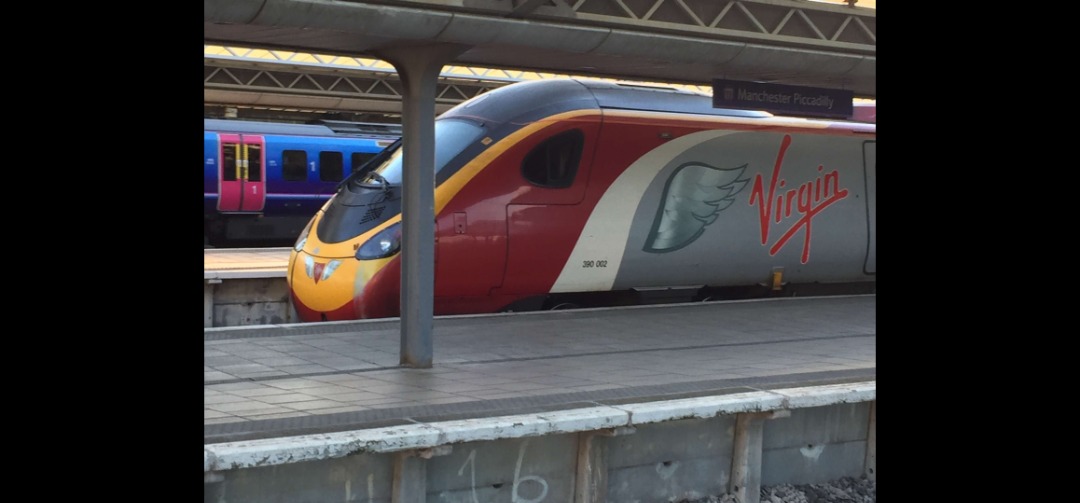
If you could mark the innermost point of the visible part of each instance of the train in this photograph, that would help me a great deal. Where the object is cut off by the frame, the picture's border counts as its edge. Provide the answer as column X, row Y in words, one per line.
column 569, row 192
column 262, row 181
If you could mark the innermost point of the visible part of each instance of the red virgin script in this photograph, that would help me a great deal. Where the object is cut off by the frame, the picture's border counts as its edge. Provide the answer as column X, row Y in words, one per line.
column 801, row 203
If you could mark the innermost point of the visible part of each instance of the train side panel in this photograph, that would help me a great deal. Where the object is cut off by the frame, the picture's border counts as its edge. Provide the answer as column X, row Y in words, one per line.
column 210, row 172
column 297, row 181
column 657, row 203
column 722, row 207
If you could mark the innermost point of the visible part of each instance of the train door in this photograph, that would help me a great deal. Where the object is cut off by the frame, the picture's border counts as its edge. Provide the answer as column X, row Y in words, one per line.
column 544, row 219
column 870, row 164
column 241, row 178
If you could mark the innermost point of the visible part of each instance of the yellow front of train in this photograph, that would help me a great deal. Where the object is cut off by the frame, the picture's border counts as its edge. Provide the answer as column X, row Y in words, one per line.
column 344, row 264
column 329, row 281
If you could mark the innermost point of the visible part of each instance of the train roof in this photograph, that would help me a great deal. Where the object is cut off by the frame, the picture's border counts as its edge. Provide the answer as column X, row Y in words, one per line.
column 659, row 99
column 530, row 100
column 322, row 128
column 533, row 100
column 865, row 112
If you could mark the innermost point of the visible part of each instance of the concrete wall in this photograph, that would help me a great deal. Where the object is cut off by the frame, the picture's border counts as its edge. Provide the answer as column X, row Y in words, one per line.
column 247, row 301
column 815, row 445
column 672, row 458
column 364, row 477
column 686, row 459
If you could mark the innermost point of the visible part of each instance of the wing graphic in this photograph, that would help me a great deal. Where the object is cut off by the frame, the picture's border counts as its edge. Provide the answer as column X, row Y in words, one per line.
column 693, row 198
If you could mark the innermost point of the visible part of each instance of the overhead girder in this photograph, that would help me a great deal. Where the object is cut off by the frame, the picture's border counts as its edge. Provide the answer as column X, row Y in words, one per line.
column 681, row 41
column 796, row 23
column 276, row 85
column 320, row 83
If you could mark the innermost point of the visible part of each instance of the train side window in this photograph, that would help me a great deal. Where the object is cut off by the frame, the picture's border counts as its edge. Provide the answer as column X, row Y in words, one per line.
column 228, row 162
column 359, row 159
column 331, row 166
column 254, row 154
column 554, row 162
column 293, row 165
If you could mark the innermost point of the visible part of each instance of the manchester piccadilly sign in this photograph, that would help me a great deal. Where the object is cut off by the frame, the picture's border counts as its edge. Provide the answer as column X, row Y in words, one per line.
column 783, row 99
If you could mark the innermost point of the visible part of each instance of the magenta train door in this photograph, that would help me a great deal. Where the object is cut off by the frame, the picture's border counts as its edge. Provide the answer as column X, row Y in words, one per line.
column 242, row 176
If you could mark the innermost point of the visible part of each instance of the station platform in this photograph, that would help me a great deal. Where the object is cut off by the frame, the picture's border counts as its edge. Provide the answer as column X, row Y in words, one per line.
column 235, row 263
column 246, row 286
column 276, row 381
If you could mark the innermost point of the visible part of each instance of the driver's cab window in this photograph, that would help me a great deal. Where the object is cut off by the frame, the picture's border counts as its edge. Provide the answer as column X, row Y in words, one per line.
column 554, row 162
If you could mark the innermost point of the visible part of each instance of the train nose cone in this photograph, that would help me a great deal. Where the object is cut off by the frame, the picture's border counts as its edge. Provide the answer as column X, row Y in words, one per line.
column 322, row 288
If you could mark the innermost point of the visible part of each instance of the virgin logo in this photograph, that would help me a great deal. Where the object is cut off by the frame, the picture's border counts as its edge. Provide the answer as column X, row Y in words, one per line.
column 793, row 209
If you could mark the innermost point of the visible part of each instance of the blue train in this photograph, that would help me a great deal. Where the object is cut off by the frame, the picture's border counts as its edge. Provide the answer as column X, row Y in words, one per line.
column 263, row 181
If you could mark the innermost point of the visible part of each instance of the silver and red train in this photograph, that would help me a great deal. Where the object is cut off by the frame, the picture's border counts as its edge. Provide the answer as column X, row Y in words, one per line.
column 568, row 192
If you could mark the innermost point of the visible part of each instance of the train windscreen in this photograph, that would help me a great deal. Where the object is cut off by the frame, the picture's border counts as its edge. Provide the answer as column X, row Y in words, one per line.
column 452, row 136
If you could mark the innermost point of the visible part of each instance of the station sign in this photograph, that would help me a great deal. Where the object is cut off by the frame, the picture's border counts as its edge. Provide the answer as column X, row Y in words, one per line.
column 783, row 99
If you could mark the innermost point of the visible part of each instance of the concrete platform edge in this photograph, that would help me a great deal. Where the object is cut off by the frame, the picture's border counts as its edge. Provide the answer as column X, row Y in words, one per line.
column 285, row 450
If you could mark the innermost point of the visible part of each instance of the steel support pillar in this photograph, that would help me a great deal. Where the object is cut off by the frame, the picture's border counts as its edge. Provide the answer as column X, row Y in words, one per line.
column 419, row 68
